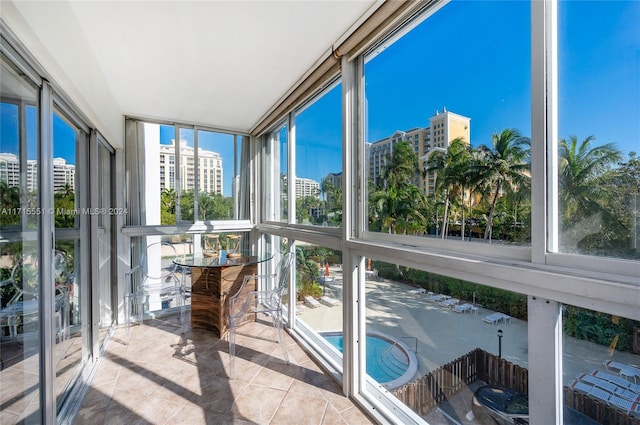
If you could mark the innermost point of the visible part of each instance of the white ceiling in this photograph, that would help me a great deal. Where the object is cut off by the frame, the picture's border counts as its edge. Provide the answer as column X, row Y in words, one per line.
column 220, row 63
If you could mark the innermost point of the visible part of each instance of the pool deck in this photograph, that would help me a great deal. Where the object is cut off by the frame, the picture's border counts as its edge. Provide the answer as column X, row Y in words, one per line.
column 440, row 335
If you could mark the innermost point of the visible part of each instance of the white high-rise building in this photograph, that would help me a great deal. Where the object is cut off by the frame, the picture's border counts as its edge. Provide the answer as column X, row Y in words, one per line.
column 63, row 174
column 209, row 166
column 306, row 187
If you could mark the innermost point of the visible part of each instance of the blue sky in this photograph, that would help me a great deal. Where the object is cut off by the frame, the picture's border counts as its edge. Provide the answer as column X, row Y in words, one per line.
column 472, row 57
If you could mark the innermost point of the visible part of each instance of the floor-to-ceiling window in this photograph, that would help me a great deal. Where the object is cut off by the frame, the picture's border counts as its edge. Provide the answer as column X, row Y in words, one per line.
column 19, row 310
column 47, row 211
column 318, row 159
column 459, row 130
column 105, row 225
column 70, row 219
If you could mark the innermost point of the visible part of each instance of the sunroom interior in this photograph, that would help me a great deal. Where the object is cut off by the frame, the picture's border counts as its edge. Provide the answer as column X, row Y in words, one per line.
column 461, row 207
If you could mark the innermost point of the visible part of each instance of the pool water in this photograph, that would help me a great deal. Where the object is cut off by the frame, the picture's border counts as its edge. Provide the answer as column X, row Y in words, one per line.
column 383, row 364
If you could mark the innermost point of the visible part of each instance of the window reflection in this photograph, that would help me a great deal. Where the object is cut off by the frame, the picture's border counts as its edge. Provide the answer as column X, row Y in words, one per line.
column 598, row 174
column 318, row 183
column 601, row 359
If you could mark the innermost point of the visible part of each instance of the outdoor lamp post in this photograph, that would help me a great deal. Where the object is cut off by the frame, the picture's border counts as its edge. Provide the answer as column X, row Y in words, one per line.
column 499, row 343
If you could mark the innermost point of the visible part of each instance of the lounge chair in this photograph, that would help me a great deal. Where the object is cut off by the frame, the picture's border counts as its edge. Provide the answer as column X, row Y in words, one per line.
column 619, row 381
column 462, row 308
column 600, row 394
column 496, row 317
column 331, row 302
column 621, row 388
column 449, row 302
column 311, row 302
column 623, row 369
column 621, row 403
column 598, row 382
column 613, row 378
column 580, row 386
column 417, row 291
column 437, row 298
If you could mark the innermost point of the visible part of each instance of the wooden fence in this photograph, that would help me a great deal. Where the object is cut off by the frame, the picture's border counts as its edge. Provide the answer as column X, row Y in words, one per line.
column 425, row 393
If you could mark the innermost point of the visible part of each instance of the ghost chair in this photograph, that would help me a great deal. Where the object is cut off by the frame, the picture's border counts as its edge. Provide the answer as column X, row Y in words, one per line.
column 245, row 304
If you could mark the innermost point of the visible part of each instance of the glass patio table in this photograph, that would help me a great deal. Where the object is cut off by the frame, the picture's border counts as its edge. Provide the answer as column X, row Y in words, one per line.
column 213, row 281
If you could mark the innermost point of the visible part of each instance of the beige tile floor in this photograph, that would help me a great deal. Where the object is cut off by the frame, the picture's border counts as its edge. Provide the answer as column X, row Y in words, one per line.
column 162, row 378
column 19, row 375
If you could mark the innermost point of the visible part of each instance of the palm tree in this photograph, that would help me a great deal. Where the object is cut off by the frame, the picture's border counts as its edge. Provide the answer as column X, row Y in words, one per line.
column 10, row 196
column 582, row 194
column 452, row 176
column 503, row 167
column 398, row 203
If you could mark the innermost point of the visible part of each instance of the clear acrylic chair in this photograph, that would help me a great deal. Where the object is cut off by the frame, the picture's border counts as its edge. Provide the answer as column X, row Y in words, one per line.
column 268, row 301
column 154, row 281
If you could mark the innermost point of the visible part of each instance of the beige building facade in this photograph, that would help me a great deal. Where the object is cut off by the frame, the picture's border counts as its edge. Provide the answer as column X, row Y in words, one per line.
column 443, row 127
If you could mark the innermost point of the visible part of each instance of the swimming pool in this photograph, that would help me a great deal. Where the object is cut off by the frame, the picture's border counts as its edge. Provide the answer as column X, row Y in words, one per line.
column 389, row 361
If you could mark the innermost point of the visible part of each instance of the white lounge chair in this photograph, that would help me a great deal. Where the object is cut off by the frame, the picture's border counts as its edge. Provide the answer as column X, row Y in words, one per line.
column 437, row 298
column 496, row 317
column 462, row 308
column 417, row 291
column 449, row 302
column 331, row 302
column 311, row 302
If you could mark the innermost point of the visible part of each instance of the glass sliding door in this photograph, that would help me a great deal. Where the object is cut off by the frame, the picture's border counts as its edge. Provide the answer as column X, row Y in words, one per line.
column 70, row 217
column 20, row 374
column 104, row 239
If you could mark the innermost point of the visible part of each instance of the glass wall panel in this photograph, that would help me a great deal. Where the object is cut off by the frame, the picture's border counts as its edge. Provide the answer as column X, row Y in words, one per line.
column 105, row 226
column 69, row 252
column 601, row 366
column 219, row 174
column 598, row 130
column 275, row 175
column 447, row 125
column 186, row 163
column 433, row 340
column 19, row 251
column 318, row 183
column 159, row 193
column 155, row 255
column 213, row 172
column 319, row 290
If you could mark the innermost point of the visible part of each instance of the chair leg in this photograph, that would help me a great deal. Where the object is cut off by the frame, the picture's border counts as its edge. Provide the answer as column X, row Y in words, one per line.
column 140, row 300
column 277, row 325
column 231, row 336
column 127, row 317
column 183, row 314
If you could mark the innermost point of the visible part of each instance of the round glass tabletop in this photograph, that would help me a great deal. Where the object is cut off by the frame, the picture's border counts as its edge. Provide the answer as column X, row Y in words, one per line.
column 241, row 258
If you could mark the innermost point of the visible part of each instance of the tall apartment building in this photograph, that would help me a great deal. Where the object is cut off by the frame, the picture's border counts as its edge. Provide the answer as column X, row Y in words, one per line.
column 306, row 187
column 334, row 179
column 443, row 128
column 63, row 174
column 209, row 165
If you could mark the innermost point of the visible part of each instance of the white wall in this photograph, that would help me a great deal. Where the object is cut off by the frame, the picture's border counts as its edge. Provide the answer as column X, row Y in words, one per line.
column 50, row 32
